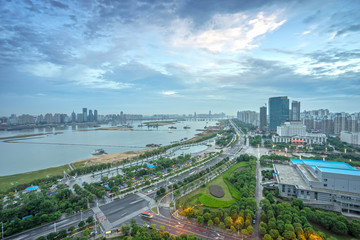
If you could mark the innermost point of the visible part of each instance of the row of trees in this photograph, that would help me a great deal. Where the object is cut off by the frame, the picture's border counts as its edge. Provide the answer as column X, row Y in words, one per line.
column 290, row 221
column 239, row 215
column 245, row 127
column 36, row 209
column 136, row 232
column 340, row 146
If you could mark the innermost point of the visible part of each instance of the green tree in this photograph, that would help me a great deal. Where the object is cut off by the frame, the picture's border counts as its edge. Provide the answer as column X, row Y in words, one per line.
column 267, row 237
column 298, row 203
column 125, row 229
column 210, row 223
column 71, row 228
column 274, row 233
column 228, row 222
column 86, row 232
column 51, row 236
column 250, row 229
column 262, row 230
column 89, row 220
column 62, row 234
column 81, row 224
column 339, row 227
column 289, row 235
column 200, row 219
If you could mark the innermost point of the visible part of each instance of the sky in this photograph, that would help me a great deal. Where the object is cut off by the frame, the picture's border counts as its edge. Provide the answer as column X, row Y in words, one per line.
column 177, row 56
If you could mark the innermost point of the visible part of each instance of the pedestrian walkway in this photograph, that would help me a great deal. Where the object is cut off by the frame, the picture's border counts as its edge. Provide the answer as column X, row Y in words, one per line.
column 150, row 200
column 102, row 218
column 127, row 217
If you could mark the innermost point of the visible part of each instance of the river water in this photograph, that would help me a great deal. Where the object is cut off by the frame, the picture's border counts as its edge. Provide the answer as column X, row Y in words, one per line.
column 64, row 144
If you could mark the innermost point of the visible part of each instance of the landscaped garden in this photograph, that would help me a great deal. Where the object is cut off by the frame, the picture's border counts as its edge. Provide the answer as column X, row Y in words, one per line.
column 205, row 197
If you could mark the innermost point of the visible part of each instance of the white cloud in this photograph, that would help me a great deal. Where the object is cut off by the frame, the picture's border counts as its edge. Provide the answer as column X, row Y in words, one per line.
column 168, row 93
column 225, row 32
column 78, row 74
column 46, row 69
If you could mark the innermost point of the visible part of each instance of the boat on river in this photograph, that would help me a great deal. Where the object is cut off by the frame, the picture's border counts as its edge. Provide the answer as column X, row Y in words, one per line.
column 98, row 152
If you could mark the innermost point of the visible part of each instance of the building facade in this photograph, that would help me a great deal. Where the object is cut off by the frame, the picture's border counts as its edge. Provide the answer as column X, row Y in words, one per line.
column 295, row 111
column 329, row 185
column 350, row 137
column 278, row 111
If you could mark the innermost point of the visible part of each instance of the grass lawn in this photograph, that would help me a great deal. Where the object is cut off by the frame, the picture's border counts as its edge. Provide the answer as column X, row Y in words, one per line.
column 219, row 181
column 23, row 178
column 203, row 196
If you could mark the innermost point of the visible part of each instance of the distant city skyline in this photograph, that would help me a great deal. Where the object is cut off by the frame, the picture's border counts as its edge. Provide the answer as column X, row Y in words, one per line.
column 178, row 56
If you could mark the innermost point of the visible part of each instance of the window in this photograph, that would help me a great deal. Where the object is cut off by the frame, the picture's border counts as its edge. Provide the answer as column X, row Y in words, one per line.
column 325, row 185
column 325, row 179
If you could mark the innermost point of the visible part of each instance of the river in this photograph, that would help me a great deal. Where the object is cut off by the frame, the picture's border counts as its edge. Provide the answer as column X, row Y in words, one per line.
column 65, row 144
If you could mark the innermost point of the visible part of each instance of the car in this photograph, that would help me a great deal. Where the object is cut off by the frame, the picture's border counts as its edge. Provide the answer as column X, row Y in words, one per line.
column 254, row 221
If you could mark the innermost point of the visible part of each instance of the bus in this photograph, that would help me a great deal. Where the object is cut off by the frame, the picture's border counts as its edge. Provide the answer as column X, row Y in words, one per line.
column 146, row 214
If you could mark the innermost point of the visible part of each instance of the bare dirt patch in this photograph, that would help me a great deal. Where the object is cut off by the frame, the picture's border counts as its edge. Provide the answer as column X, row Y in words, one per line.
column 216, row 191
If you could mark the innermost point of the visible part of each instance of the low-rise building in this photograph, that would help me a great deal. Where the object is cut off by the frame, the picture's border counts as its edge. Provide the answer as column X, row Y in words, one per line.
column 350, row 137
column 324, row 184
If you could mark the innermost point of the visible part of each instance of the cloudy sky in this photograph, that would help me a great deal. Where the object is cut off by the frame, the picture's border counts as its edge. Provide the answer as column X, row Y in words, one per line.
column 177, row 56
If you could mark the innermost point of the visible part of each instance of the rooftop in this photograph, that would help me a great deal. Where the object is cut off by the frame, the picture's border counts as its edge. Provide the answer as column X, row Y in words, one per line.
column 321, row 163
column 340, row 171
column 288, row 175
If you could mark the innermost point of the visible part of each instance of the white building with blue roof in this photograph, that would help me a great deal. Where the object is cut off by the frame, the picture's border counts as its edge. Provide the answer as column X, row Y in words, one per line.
column 325, row 184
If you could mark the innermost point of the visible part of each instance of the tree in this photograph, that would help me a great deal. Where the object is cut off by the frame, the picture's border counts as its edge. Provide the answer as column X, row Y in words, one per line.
column 268, row 237
column 262, row 230
column 298, row 203
column 233, row 229
column 162, row 229
column 51, row 236
column 339, row 227
column 200, row 219
column 354, row 228
column 274, row 233
column 289, row 235
column 239, row 222
column 125, row 229
column 81, row 224
column 71, row 228
column 62, row 234
column 244, row 232
column 210, row 223
column 221, row 225
column 216, row 220
column 250, row 229
column 228, row 222
column 86, row 232
column 90, row 220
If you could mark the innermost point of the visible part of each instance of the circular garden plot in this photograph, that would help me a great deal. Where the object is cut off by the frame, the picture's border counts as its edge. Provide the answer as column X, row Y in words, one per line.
column 216, row 191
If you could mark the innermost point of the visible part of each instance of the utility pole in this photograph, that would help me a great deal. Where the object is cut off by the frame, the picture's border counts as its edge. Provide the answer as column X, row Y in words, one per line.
column 54, row 226
column 2, row 230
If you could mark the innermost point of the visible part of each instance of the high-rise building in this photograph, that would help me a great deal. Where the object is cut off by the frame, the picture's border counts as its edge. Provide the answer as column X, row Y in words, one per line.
column 295, row 111
column 48, row 118
column 95, row 115
column 73, row 117
column 79, row 117
column 278, row 111
column 263, row 118
column 84, row 115
column 91, row 116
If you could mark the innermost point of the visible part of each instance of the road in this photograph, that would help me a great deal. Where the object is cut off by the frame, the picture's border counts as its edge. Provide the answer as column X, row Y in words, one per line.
column 112, row 215
column 48, row 228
